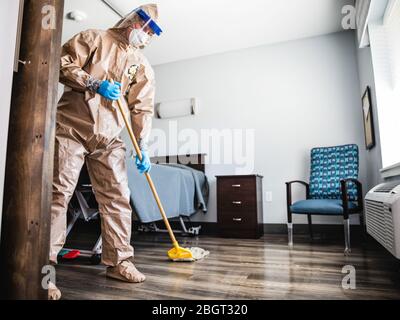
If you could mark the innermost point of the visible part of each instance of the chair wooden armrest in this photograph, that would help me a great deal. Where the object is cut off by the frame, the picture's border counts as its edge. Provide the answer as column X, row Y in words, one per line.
column 289, row 190
column 344, row 188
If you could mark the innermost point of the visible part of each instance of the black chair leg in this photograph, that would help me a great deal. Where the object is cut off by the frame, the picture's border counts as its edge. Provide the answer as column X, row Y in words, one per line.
column 310, row 226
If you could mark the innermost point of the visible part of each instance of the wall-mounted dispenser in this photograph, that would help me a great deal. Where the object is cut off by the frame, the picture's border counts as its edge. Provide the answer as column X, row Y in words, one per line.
column 177, row 109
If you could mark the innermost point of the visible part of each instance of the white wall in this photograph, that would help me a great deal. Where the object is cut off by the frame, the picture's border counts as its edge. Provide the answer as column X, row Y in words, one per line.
column 295, row 95
column 9, row 17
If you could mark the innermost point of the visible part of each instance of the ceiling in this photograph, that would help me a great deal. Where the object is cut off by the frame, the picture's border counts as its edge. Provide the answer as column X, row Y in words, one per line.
column 194, row 28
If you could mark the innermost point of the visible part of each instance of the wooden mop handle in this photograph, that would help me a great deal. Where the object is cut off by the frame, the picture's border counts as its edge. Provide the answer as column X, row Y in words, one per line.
column 148, row 177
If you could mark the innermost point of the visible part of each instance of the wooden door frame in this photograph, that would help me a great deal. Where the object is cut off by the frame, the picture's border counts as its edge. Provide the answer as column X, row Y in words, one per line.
column 25, row 237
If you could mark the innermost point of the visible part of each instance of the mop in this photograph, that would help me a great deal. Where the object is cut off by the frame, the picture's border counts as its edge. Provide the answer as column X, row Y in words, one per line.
column 177, row 253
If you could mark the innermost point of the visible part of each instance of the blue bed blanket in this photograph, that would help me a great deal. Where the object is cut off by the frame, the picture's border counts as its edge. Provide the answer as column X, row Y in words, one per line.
column 183, row 191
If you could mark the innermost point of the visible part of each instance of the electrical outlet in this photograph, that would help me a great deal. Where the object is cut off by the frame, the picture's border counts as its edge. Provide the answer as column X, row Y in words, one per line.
column 268, row 196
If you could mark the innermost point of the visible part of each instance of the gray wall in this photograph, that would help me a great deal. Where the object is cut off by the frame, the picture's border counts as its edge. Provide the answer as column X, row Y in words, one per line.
column 374, row 156
column 295, row 95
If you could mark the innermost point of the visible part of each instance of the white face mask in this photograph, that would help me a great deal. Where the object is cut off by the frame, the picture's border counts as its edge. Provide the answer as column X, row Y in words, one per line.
column 139, row 38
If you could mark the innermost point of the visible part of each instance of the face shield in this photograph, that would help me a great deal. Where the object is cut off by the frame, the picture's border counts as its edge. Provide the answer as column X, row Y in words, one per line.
column 142, row 37
column 149, row 21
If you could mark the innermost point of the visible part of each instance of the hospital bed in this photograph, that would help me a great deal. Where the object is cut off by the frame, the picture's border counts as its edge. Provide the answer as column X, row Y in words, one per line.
column 183, row 189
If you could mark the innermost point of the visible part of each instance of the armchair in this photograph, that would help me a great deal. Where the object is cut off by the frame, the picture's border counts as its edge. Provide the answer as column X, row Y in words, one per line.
column 334, row 189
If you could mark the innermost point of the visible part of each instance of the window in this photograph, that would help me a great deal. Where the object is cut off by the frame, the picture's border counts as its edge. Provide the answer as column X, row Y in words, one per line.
column 385, row 47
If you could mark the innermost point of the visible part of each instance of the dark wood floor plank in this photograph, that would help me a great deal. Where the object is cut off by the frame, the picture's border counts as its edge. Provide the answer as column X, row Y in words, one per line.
column 242, row 269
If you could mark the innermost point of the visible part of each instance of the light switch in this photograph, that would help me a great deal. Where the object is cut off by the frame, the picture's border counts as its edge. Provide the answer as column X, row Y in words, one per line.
column 268, row 196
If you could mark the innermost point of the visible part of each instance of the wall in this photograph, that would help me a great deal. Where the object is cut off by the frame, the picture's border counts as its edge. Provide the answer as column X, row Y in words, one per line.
column 9, row 17
column 295, row 95
column 373, row 156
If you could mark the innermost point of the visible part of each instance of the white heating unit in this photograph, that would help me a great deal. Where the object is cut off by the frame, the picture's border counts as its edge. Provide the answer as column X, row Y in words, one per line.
column 382, row 211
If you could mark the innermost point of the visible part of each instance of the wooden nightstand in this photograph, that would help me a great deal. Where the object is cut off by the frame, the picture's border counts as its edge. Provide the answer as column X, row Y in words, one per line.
column 240, row 206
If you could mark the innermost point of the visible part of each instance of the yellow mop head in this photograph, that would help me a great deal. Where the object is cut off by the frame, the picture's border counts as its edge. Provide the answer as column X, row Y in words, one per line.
column 179, row 254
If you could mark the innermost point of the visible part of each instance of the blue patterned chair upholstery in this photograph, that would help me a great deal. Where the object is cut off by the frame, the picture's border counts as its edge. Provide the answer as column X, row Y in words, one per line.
column 334, row 188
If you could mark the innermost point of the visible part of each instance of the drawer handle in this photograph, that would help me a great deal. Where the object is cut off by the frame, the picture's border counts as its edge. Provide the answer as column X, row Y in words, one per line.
column 237, row 202
column 237, row 219
column 236, row 185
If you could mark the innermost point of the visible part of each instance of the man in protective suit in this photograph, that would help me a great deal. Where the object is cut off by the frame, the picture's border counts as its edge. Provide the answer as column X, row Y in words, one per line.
column 97, row 68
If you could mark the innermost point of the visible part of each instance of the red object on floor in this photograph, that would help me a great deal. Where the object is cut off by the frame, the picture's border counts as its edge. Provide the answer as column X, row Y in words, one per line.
column 72, row 255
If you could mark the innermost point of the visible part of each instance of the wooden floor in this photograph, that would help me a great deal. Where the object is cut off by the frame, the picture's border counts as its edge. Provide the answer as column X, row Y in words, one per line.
column 242, row 269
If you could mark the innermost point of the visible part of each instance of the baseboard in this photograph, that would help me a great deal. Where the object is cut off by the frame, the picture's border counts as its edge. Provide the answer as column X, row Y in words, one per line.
column 303, row 228
column 211, row 228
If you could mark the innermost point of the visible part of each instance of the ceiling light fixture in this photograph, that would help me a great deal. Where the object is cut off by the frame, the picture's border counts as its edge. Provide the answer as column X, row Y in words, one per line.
column 77, row 16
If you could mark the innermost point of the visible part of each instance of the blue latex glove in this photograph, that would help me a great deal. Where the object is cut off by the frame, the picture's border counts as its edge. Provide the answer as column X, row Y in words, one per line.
column 143, row 166
column 110, row 91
